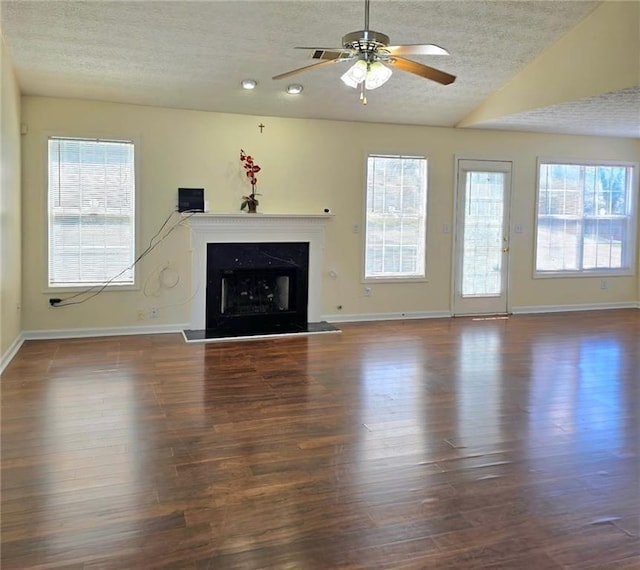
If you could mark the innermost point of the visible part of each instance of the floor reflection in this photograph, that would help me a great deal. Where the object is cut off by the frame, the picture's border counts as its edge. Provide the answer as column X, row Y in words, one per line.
column 576, row 386
column 95, row 432
column 479, row 383
column 391, row 398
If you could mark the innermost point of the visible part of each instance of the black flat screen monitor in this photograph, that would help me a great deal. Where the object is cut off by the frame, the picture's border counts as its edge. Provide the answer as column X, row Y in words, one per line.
column 190, row 199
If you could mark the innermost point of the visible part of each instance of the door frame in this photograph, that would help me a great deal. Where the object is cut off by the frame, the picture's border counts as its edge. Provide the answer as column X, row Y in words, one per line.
column 456, row 234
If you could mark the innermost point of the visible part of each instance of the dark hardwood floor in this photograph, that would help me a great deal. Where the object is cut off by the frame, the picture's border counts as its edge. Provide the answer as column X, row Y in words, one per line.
column 449, row 443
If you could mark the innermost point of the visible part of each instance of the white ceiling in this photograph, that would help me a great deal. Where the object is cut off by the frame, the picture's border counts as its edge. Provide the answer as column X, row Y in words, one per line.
column 194, row 54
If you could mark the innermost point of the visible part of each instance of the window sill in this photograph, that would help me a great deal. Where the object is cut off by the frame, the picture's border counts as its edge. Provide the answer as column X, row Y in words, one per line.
column 371, row 280
column 574, row 274
column 75, row 289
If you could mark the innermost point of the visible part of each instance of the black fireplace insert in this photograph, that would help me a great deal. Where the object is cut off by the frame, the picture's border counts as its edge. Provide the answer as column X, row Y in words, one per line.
column 257, row 286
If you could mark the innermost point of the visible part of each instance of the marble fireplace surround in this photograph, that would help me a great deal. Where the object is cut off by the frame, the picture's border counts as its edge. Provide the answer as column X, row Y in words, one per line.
column 254, row 228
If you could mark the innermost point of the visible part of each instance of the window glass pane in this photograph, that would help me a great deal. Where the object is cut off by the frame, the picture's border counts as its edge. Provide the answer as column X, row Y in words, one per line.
column 91, row 189
column 603, row 243
column 482, row 259
column 395, row 217
column 585, row 220
column 557, row 244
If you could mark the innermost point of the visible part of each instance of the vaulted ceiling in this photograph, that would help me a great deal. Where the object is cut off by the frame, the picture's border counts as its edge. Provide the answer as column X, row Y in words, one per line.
column 543, row 66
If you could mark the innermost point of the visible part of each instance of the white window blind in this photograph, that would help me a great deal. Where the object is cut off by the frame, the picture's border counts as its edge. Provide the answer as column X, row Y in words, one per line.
column 91, row 207
column 396, row 215
column 585, row 218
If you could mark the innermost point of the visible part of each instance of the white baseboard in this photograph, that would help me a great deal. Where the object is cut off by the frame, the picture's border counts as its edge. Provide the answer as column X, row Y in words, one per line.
column 7, row 357
column 569, row 308
column 355, row 318
column 97, row 332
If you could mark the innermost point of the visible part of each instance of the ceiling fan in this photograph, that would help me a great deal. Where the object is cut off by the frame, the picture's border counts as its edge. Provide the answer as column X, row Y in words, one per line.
column 372, row 54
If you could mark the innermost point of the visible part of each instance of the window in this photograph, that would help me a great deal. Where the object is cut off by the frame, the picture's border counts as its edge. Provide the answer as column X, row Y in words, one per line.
column 91, row 206
column 396, row 210
column 585, row 218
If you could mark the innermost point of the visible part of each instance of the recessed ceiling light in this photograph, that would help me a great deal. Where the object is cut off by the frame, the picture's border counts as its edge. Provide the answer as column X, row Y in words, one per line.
column 249, row 83
column 294, row 89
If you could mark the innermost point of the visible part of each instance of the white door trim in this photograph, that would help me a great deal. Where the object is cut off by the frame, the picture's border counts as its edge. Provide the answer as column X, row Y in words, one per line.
column 499, row 165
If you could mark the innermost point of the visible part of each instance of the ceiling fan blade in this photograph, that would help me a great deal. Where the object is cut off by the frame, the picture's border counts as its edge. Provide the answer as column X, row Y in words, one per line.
column 416, row 49
column 422, row 70
column 306, row 67
column 322, row 48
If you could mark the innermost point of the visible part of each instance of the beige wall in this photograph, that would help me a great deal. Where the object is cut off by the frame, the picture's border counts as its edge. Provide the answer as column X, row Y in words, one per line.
column 10, row 223
column 306, row 165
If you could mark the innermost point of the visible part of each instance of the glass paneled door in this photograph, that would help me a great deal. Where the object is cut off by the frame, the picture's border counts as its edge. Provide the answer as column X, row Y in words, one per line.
column 482, row 237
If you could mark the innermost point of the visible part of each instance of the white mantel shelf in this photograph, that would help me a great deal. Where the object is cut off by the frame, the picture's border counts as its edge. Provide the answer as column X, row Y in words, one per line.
column 243, row 227
column 198, row 221
column 226, row 215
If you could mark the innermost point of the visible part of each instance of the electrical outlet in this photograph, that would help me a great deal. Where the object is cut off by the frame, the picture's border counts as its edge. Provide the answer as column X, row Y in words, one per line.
column 603, row 283
column 367, row 291
column 153, row 312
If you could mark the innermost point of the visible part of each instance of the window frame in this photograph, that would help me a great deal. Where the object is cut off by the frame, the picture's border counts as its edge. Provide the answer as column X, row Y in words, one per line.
column 632, row 230
column 365, row 279
column 119, row 137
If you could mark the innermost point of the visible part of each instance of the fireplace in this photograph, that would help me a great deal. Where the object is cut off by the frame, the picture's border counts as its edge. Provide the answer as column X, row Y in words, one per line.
column 256, row 286
column 273, row 275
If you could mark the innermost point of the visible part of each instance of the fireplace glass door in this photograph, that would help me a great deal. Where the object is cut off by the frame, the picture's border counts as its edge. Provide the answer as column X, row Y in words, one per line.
column 249, row 292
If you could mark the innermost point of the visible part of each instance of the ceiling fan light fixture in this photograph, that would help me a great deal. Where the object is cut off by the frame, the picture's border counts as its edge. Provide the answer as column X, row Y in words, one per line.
column 294, row 89
column 249, row 84
column 377, row 75
column 356, row 74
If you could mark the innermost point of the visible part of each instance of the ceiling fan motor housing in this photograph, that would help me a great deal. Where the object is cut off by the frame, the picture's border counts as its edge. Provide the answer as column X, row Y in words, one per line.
column 366, row 42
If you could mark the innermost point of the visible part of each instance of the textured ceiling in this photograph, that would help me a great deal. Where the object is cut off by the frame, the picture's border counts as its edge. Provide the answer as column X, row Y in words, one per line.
column 610, row 114
column 193, row 55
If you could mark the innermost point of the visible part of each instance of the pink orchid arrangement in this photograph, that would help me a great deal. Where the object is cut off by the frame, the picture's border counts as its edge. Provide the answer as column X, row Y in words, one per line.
column 251, row 169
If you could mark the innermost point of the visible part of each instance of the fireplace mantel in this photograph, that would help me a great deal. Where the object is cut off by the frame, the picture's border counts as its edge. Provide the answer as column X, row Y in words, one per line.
column 246, row 228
